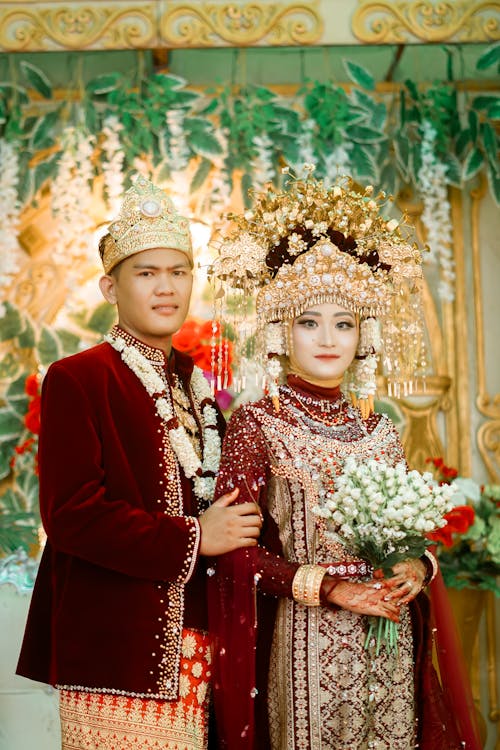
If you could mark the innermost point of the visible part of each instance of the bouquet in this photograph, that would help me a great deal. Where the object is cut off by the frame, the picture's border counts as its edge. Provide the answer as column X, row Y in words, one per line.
column 382, row 514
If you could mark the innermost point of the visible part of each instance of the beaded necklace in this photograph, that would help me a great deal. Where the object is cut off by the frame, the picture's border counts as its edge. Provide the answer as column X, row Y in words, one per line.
column 201, row 471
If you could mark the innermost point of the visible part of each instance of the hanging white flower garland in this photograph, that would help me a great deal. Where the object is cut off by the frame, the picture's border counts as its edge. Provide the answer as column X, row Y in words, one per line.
column 436, row 215
column 112, row 163
column 10, row 252
column 202, row 472
column 262, row 163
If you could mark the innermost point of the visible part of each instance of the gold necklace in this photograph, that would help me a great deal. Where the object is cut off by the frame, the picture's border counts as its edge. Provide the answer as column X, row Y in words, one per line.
column 328, row 422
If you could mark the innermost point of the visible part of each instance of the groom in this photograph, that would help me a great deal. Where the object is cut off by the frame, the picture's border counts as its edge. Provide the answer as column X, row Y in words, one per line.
column 129, row 447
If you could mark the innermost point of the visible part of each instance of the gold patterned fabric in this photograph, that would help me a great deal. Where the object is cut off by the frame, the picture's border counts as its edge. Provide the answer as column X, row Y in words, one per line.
column 98, row 721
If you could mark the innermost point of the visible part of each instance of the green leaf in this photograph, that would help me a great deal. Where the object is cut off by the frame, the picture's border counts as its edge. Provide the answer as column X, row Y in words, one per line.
column 473, row 124
column 454, row 171
column 489, row 58
column 493, row 111
column 37, row 79
column 11, row 424
column 402, row 150
column 494, row 183
column 6, row 451
column 204, row 143
column 359, row 75
column 490, row 144
column 103, row 84
column 362, row 134
column 473, row 163
column 102, row 319
column 9, row 366
column 389, row 180
column 70, row 342
column 16, row 387
column 49, row 348
column 26, row 338
column 463, row 142
column 11, row 323
column 415, row 162
column 200, row 175
column 43, row 134
column 13, row 91
column 364, row 165
column 483, row 102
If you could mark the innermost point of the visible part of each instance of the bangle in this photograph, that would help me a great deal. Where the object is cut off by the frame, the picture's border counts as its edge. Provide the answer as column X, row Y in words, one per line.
column 431, row 564
column 306, row 585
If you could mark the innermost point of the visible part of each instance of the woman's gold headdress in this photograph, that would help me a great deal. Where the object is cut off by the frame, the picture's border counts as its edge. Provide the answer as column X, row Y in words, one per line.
column 310, row 244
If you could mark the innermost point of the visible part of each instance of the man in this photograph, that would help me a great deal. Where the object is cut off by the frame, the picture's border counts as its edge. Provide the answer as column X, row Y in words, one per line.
column 129, row 448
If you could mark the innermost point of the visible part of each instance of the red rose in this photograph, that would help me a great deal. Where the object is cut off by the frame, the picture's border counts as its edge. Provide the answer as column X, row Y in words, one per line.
column 458, row 520
column 31, row 385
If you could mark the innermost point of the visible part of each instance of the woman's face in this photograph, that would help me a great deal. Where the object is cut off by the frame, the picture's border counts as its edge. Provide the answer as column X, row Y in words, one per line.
column 324, row 340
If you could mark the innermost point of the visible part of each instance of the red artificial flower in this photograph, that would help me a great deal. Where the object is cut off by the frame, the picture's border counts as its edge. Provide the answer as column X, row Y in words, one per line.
column 32, row 385
column 187, row 338
column 32, row 418
column 458, row 520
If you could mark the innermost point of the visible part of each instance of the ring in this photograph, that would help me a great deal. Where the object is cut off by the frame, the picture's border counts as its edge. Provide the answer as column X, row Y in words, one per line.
column 377, row 585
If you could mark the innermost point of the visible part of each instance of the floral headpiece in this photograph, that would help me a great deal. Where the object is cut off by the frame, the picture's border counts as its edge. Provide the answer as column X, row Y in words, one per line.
column 310, row 244
column 147, row 219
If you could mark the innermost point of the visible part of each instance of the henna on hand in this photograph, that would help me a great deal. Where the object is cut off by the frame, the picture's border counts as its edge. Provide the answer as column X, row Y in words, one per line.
column 407, row 581
column 364, row 599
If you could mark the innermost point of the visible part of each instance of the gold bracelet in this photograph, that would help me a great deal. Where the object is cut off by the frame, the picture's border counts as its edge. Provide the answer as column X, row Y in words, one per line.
column 306, row 584
column 434, row 568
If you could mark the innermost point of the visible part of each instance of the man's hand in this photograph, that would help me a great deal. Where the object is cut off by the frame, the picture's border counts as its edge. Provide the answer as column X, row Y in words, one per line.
column 226, row 527
column 364, row 599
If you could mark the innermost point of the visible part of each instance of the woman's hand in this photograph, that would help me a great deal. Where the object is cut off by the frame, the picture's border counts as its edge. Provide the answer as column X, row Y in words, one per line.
column 407, row 581
column 370, row 598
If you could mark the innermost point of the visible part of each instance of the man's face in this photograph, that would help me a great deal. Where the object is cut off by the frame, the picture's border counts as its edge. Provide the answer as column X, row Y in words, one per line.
column 151, row 290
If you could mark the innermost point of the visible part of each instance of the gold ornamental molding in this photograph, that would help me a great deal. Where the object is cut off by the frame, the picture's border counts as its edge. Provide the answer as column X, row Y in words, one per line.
column 28, row 26
column 389, row 22
column 32, row 27
column 241, row 24
column 488, row 435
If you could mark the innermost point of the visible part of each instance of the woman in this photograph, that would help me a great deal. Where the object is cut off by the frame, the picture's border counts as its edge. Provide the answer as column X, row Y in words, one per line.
column 293, row 670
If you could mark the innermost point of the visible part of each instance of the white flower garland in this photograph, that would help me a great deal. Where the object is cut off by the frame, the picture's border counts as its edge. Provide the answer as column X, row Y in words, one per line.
column 220, row 191
column 262, row 163
column 337, row 163
column 436, row 215
column 204, row 486
column 71, row 195
column 112, row 163
column 10, row 208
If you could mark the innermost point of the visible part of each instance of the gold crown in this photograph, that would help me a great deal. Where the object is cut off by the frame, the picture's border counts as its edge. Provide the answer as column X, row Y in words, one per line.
column 311, row 243
column 147, row 219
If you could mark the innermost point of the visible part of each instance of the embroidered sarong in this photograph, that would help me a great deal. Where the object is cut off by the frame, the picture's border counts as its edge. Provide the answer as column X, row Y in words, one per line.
column 102, row 721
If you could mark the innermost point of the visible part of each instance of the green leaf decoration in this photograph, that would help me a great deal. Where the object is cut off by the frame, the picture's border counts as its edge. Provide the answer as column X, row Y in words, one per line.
column 37, row 79
column 13, row 91
column 489, row 58
column 359, row 75
column 402, row 151
column 473, row 163
column 483, row 102
column 493, row 111
column 463, row 142
column 494, row 183
column 26, row 339
column 9, row 367
column 204, row 143
column 490, row 144
column 11, row 323
column 246, row 185
column 454, row 171
column 16, row 388
column 44, row 133
column 49, row 348
column 389, row 179
column 200, row 175
column 473, row 124
column 365, row 165
column 11, row 424
column 6, row 452
column 362, row 134
column 70, row 342
column 102, row 319
column 415, row 162
column 103, row 84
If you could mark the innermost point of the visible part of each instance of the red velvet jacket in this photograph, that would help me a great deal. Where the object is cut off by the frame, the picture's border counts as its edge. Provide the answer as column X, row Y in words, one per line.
column 110, row 598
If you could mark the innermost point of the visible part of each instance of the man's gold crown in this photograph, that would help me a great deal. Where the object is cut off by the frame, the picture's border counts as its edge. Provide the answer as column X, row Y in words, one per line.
column 147, row 219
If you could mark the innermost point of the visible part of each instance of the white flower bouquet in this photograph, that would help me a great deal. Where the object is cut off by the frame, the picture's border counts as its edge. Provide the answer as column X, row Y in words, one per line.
column 382, row 513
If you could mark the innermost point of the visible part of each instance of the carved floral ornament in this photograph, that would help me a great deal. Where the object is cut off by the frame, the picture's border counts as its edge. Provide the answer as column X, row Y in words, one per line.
column 115, row 25
column 386, row 21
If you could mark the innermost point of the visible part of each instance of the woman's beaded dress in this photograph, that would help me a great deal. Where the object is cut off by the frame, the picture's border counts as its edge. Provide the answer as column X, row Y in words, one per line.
column 324, row 691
